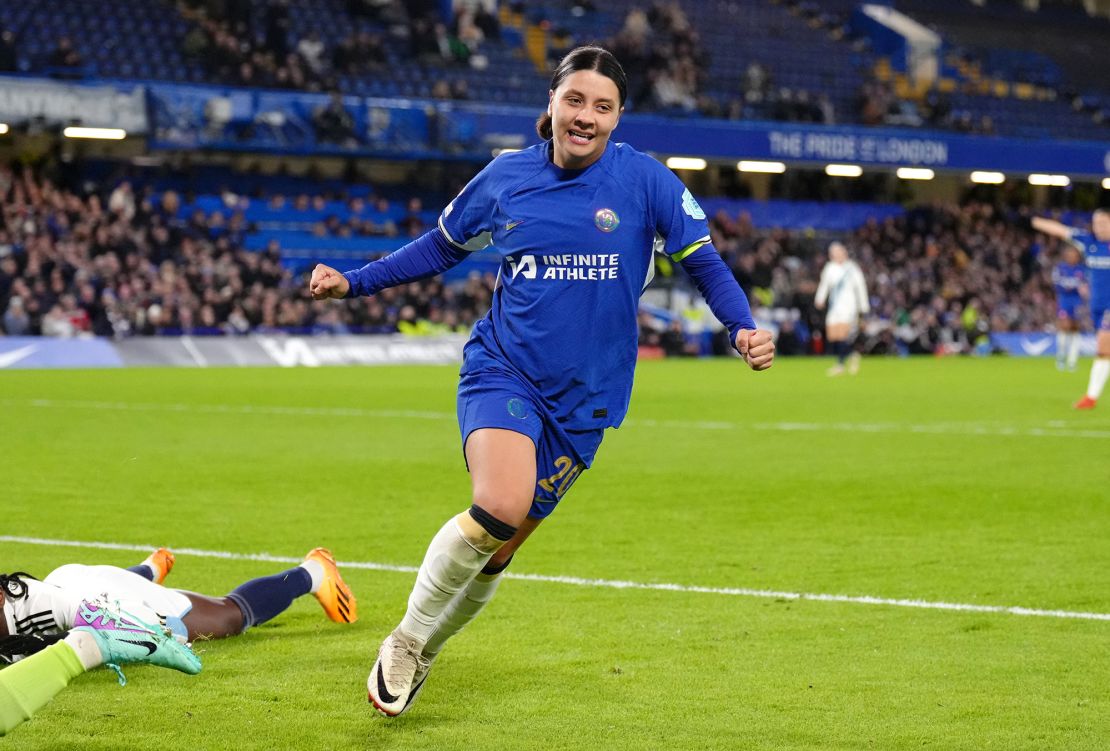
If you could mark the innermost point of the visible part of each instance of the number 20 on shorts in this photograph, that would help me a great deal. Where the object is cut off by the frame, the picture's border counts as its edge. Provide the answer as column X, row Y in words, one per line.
column 566, row 472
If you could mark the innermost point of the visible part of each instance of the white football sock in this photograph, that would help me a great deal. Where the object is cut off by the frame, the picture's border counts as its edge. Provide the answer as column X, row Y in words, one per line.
column 1073, row 350
column 315, row 571
column 1061, row 345
column 461, row 610
column 85, row 647
column 449, row 565
column 1099, row 372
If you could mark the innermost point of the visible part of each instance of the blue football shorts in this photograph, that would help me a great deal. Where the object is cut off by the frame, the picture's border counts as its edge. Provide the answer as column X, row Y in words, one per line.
column 495, row 399
column 1067, row 309
column 1100, row 317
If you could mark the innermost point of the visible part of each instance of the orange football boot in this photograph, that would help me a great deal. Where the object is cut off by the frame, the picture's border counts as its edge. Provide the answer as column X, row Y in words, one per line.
column 334, row 596
column 161, row 562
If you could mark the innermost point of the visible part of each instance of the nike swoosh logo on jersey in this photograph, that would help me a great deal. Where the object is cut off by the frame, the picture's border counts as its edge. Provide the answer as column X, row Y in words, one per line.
column 509, row 226
column 383, row 692
column 150, row 646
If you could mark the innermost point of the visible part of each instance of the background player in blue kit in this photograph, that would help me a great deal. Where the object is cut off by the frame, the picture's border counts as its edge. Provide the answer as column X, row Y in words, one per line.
column 576, row 219
column 1069, row 278
column 1095, row 247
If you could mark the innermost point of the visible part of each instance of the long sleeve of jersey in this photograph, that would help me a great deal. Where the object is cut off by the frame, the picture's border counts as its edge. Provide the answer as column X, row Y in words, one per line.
column 822, row 288
column 426, row 256
column 719, row 288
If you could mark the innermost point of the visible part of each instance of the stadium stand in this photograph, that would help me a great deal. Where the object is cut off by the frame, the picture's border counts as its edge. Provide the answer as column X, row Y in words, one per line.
column 1029, row 73
column 1057, row 45
column 788, row 60
column 97, row 32
column 123, row 252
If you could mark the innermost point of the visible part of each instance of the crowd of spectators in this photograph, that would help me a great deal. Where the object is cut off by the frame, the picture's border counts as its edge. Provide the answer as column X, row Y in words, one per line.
column 877, row 104
column 664, row 57
column 668, row 69
column 434, row 42
column 941, row 277
column 659, row 47
column 249, row 44
column 222, row 40
column 127, row 261
column 246, row 44
column 760, row 98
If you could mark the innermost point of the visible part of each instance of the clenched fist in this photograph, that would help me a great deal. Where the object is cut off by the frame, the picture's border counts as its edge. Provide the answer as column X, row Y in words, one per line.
column 326, row 283
column 756, row 347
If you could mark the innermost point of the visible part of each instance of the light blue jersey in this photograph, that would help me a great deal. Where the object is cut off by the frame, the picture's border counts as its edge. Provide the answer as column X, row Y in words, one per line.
column 576, row 249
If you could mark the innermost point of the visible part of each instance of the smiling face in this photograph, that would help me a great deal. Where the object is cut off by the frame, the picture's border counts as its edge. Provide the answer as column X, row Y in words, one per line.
column 584, row 111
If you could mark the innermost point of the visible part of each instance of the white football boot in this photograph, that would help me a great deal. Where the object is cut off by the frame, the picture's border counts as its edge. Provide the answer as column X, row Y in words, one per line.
column 390, row 686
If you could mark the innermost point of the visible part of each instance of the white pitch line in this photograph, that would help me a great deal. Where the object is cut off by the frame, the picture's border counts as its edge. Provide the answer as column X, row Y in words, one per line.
column 968, row 428
column 1054, row 429
column 598, row 583
column 229, row 409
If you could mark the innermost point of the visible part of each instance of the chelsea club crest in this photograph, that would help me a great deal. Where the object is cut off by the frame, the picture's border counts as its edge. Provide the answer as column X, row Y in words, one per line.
column 606, row 220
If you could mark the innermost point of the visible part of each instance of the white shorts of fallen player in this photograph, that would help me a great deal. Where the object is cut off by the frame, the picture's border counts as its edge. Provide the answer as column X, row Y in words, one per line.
column 135, row 593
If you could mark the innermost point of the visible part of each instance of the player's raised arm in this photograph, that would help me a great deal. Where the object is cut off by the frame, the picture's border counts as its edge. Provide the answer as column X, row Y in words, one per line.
column 1052, row 227
column 430, row 254
column 730, row 305
column 464, row 226
column 681, row 224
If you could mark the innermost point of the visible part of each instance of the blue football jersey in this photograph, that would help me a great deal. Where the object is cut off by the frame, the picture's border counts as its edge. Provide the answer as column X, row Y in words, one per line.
column 576, row 248
column 1097, row 255
column 1067, row 279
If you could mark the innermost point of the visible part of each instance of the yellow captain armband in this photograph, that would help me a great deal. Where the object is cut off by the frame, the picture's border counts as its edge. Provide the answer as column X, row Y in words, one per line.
column 682, row 254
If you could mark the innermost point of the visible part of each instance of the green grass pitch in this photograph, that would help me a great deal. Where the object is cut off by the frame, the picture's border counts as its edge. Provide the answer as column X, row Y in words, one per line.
column 962, row 481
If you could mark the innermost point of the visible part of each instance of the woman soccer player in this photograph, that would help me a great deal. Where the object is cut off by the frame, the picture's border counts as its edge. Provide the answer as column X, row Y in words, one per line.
column 101, row 634
column 53, row 605
column 1095, row 246
column 1069, row 278
column 576, row 220
column 73, row 621
column 842, row 287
